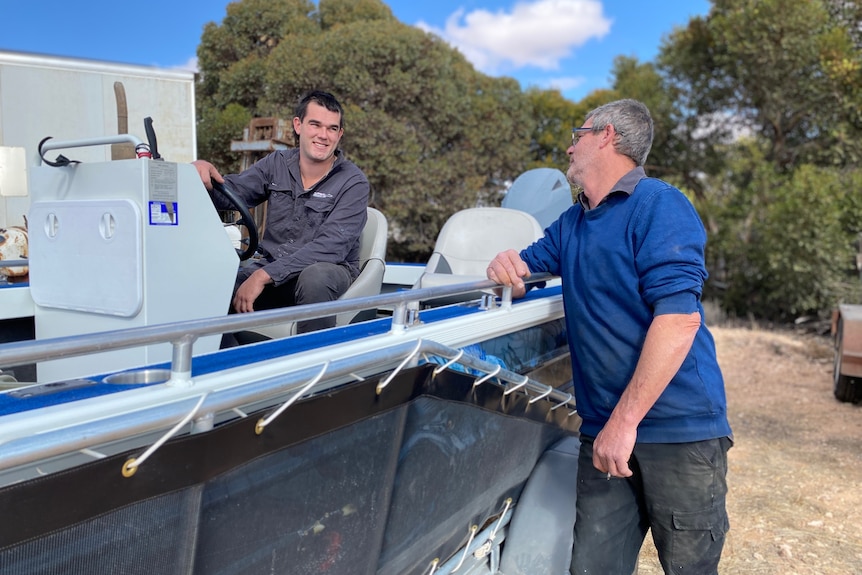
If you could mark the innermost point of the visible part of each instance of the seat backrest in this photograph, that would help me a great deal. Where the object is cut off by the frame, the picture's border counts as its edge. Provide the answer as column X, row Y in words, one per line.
column 471, row 238
column 372, row 242
column 372, row 264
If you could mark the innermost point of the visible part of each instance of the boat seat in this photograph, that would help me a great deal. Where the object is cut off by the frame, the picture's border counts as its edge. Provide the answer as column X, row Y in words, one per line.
column 372, row 263
column 470, row 239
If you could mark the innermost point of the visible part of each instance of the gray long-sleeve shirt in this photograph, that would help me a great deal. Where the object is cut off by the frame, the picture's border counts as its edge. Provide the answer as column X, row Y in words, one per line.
column 321, row 224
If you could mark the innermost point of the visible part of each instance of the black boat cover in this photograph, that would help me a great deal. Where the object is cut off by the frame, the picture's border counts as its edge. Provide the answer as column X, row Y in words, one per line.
column 344, row 482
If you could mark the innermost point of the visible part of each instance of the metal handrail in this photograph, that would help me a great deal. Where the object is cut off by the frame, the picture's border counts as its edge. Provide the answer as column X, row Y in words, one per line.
column 183, row 334
column 14, row 263
column 52, row 144
column 118, row 424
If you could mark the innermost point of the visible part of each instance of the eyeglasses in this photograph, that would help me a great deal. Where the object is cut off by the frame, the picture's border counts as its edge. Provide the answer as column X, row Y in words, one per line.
column 578, row 133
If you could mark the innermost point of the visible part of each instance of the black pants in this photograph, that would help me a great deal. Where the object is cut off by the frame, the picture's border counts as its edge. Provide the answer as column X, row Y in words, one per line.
column 320, row 282
column 677, row 490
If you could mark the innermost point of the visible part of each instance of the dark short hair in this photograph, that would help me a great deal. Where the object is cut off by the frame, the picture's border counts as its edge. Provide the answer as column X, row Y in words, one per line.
column 321, row 98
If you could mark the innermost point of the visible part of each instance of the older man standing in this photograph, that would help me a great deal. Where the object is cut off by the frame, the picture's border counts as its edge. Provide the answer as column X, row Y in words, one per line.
column 648, row 386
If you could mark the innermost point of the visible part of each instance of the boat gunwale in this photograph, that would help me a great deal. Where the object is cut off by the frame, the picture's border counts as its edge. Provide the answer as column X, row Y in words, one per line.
column 184, row 333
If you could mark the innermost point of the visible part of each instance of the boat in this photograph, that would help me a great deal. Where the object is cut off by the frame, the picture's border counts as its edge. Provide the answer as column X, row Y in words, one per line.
column 432, row 431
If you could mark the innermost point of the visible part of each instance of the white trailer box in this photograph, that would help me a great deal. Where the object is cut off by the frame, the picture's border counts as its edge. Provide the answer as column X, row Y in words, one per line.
column 69, row 100
column 72, row 99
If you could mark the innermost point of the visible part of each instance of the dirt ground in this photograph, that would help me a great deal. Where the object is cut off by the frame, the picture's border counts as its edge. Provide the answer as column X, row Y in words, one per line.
column 795, row 478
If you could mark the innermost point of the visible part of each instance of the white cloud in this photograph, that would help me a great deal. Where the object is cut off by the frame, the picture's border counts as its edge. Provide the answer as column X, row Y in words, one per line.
column 190, row 65
column 566, row 83
column 536, row 33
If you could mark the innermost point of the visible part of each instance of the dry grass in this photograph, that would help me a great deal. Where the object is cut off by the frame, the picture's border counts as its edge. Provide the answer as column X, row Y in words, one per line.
column 795, row 478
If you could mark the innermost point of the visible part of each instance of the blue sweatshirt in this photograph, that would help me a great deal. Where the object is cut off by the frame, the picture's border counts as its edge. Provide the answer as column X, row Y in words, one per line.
column 638, row 254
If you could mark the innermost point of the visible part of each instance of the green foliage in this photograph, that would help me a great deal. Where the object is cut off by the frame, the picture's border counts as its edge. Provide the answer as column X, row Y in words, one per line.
column 785, row 247
column 766, row 95
column 252, row 28
column 242, row 83
column 217, row 126
column 335, row 12
column 787, row 71
column 848, row 16
column 553, row 118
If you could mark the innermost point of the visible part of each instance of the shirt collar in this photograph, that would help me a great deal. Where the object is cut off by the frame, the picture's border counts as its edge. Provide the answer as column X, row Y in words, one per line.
column 626, row 185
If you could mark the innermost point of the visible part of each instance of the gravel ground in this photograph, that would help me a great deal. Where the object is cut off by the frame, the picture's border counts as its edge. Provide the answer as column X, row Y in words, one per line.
column 795, row 479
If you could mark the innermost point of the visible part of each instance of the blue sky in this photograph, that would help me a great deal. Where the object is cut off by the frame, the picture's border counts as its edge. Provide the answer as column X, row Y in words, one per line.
column 566, row 44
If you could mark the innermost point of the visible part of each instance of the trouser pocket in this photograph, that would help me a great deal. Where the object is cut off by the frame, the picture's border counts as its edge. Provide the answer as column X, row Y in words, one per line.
column 697, row 540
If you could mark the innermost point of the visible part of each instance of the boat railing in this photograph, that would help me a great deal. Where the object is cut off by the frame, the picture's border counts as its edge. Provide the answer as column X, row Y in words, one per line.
column 183, row 334
column 189, row 404
column 23, row 447
column 13, row 263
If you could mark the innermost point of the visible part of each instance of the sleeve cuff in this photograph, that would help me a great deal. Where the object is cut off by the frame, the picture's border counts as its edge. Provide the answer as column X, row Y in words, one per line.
column 684, row 302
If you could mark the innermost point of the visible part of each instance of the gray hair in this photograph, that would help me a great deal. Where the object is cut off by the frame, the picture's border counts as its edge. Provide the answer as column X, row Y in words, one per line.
column 633, row 124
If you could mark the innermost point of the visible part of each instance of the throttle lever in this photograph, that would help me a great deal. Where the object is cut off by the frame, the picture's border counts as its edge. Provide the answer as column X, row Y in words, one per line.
column 151, row 138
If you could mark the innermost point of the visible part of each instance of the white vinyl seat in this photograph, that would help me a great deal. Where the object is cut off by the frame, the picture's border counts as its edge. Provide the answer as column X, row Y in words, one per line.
column 470, row 239
column 372, row 263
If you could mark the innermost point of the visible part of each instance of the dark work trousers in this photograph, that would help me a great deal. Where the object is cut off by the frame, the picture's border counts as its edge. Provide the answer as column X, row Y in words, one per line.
column 319, row 282
column 677, row 490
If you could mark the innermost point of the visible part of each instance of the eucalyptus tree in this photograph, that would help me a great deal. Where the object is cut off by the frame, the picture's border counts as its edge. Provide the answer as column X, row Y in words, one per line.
column 769, row 93
column 789, row 72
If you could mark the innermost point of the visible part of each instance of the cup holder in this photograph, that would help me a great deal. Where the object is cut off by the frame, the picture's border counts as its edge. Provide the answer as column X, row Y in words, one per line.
column 139, row 376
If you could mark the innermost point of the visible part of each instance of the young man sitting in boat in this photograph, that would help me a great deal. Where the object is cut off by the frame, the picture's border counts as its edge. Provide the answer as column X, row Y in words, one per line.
column 316, row 210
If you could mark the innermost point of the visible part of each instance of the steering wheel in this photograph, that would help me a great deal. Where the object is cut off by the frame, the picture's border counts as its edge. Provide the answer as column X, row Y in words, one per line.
column 246, row 219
